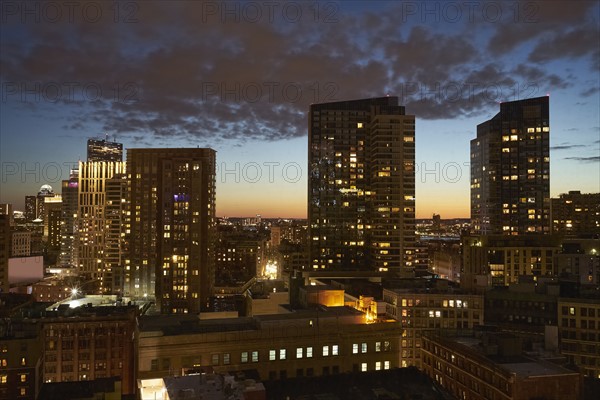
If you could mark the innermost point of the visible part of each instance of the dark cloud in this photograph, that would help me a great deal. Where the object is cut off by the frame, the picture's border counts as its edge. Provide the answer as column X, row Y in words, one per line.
column 593, row 159
column 566, row 146
column 180, row 71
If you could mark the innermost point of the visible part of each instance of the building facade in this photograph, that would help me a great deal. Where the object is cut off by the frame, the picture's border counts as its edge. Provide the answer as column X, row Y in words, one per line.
column 579, row 331
column 576, row 214
column 503, row 259
column 422, row 310
column 471, row 371
column 510, row 170
column 361, row 186
column 91, row 216
column 94, row 343
column 171, row 227
column 104, row 150
column 304, row 343
column 68, row 256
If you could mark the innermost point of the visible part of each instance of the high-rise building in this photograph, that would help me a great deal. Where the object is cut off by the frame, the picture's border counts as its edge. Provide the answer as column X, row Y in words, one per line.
column 361, row 186
column 92, row 222
column 171, row 227
column 103, row 150
column 68, row 230
column 5, row 245
column 510, row 170
column 114, row 233
column 30, row 208
column 576, row 214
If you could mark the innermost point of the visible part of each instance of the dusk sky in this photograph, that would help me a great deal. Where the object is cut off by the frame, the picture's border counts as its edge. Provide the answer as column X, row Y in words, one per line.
column 239, row 77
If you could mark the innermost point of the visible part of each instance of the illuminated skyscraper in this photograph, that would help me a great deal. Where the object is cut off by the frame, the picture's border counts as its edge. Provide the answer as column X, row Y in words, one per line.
column 68, row 232
column 171, row 227
column 103, row 150
column 114, row 233
column 361, row 186
column 92, row 220
column 510, row 170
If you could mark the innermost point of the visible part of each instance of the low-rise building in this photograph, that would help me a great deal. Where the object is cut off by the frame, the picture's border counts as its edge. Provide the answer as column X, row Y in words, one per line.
column 423, row 305
column 321, row 341
column 495, row 369
column 579, row 331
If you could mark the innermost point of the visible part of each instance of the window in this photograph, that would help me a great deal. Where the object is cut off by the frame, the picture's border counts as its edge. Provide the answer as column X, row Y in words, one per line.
column 377, row 347
column 363, row 367
column 215, row 359
column 3, row 378
column 386, row 365
column 244, row 356
column 272, row 355
column 299, row 352
column 153, row 364
column 355, row 348
column 325, row 351
column 226, row 359
column 23, row 361
column 309, row 352
column 23, row 378
column 334, row 350
column 377, row 365
column 363, row 348
column 282, row 354
column 255, row 356
column 23, row 391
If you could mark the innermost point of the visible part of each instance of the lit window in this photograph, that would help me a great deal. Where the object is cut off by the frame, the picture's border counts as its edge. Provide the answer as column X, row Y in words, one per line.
column 363, row 348
column 23, row 361
column 386, row 365
column 325, row 351
column 355, row 348
column 3, row 378
column 299, row 352
column 363, row 367
column 282, row 354
column 377, row 365
column 244, row 356
column 334, row 350
column 272, row 355
column 23, row 378
column 377, row 347
column 309, row 352
column 255, row 356
column 359, row 125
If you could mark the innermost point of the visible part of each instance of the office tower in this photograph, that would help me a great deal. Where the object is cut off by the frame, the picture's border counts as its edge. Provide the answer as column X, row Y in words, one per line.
column 361, row 186
column 52, row 223
column 171, row 227
column 45, row 192
column 510, row 170
column 103, row 150
column 5, row 245
column 68, row 231
column 576, row 214
column 114, row 233
column 30, row 208
column 7, row 209
column 92, row 223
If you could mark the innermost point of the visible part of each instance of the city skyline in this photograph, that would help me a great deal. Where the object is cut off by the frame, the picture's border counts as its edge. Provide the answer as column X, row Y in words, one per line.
column 448, row 66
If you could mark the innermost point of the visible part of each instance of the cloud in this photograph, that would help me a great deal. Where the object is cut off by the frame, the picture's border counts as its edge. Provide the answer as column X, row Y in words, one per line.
column 592, row 159
column 566, row 146
column 182, row 72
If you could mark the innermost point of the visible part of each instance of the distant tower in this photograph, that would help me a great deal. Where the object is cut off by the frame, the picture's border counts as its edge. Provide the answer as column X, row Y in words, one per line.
column 510, row 170
column 103, row 150
column 69, row 233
